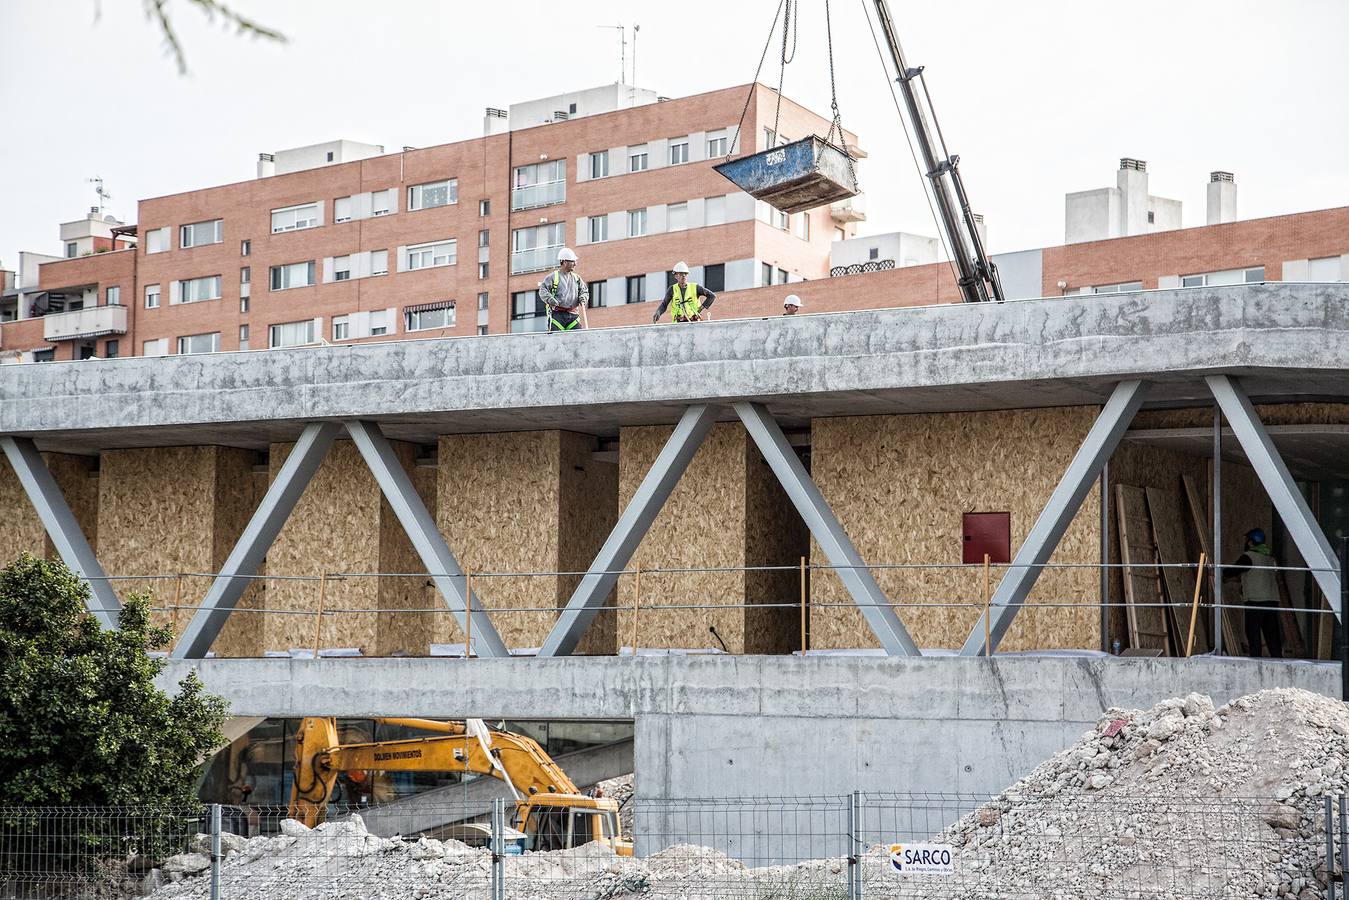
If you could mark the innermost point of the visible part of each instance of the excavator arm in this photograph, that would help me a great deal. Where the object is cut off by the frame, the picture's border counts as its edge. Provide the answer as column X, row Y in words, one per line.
column 320, row 757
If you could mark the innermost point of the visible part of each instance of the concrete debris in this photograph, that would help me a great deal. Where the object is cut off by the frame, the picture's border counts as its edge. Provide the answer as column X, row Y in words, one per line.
column 1180, row 800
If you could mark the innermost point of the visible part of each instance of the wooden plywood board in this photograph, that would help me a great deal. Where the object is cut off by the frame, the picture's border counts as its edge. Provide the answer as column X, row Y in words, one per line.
column 900, row 484
column 1168, row 529
column 23, row 531
column 775, row 535
column 77, row 477
column 238, row 491
column 1142, row 584
column 1269, row 413
column 588, row 509
column 404, row 633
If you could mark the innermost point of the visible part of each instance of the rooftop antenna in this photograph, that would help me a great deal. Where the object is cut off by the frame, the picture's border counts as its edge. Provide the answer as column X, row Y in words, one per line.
column 103, row 195
column 622, row 51
column 635, row 28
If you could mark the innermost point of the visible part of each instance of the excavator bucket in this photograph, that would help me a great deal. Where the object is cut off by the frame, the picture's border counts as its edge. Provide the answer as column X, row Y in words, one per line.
column 795, row 177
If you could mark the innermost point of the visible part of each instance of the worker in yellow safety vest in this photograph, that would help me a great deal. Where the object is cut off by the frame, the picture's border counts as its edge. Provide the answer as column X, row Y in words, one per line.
column 1259, row 573
column 564, row 292
column 688, row 301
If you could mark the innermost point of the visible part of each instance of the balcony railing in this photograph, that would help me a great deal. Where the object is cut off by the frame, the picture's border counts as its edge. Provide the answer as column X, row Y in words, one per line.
column 536, row 260
column 90, row 322
column 854, row 209
column 539, row 195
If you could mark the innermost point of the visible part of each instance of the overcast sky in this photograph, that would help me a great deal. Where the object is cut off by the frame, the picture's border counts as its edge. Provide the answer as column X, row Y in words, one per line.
column 1038, row 97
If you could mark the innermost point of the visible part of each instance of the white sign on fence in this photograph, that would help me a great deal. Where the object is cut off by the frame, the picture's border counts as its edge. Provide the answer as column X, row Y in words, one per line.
column 923, row 859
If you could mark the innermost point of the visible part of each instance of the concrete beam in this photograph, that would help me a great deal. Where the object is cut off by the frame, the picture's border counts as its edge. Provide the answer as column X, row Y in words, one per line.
column 62, row 526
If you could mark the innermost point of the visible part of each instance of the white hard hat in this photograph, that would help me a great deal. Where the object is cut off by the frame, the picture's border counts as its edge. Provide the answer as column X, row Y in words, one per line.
column 681, row 266
column 566, row 253
column 792, row 300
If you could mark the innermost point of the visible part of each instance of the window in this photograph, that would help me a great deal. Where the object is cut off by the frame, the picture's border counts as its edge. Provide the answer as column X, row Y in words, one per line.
column 1226, row 277
column 295, row 275
column 801, row 226
column 677, row 217
column 430, row 256
column 1256, row 275
column 482, row 329
column 110, row 350
column 597, row 292
column 295, row 218
column 782, row 276
column 243, row 337
column 483, row 237
column 599, row 164
column 48, row 355
column 716, row 147
column 381, row 202
column 157, row 240
column 430, row 315
column 482, row 270
column 379, row 323
column 199, row 343
column 714, row 277
column 201, row 233
column 341, row 268
column 535, row 249
column 482, row 300
column 636, row 288
column 526, row 305
column 1152, row 217
column 330, row 156
column 341, row 328
column 152, row 296
column 770, row 139
column 484, row 207
column 158, row 347
column 1117, row 288
column 292, row 334
column 599, row 229
column 245, row 275
column 193, row 290
column 679, row 151
column 433, row 194
column 636, row 222
column 114, row 296
column 714, row 210
column 379, row 262
column 342, row 209
column 767, row 275
column 540, row 184
column 245, row 248
column 1326, row 268
column 571, row 109
column 1192, row 281
column 637, row 161
column 72, row 248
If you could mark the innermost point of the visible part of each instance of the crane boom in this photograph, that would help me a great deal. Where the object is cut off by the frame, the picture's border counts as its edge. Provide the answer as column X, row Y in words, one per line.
column 976, row 275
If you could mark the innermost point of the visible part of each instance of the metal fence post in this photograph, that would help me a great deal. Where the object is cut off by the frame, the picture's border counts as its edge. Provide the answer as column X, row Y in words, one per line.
column 215, row 851
column 1330, row 850
column 498, row 849
column 855, row 847
column 1344, row 626
column 1344, row 845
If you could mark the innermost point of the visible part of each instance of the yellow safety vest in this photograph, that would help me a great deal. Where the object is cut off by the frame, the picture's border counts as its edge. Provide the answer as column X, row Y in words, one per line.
column 688, row 305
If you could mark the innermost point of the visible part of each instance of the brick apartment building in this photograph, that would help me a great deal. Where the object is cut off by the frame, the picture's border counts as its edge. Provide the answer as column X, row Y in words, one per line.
column 342, row 242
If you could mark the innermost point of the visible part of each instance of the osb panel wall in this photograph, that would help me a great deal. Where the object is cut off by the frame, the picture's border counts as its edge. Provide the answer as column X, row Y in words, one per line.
column 775, row 535
column 156, row 516
column 22, row 530
column 405, row 633
column 78, row 480
column 899, row 485
column 77, row 477
column 238, row 491
column 1270, row 414
column 335, row 527
column 497, row 505
column 1246, row 505
column 588, row 509
column 701, row 526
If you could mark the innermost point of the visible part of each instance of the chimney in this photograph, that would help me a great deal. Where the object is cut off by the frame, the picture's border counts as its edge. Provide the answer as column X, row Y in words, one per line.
column 1222, row 198
column 266, row 165
column 1132, row 182
column 494, row 121
column 980, row 228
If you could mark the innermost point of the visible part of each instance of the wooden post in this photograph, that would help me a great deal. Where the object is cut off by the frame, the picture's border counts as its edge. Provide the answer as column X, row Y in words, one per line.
column 318, row 623
column 636, row 605
column 1194, row 607
column 803, row 607
column 468, row 614
column 988, row 604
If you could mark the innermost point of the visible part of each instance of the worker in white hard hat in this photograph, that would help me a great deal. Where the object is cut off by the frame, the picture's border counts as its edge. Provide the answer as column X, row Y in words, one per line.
column 791, row 306
column 564, row 292
column 687, row 299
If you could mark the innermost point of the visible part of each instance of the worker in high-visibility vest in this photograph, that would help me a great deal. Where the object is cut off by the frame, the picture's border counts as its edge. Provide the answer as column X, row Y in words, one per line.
column 564, row 292
column 687, row 301
column 1258, row 570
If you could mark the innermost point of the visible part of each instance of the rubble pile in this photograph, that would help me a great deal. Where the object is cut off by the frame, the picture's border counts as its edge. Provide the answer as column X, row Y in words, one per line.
column 1180, row 800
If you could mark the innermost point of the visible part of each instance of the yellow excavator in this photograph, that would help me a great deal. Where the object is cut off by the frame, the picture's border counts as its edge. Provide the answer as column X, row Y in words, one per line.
column 549, row 809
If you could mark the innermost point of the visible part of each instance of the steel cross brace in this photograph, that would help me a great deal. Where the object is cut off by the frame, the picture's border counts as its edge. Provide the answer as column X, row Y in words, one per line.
column 1058, row 513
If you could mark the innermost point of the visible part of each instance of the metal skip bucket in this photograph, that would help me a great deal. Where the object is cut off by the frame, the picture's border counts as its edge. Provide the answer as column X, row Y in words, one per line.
column 795, row 177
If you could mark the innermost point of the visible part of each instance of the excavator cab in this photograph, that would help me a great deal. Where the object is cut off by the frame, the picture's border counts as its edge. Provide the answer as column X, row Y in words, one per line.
column 561, row 822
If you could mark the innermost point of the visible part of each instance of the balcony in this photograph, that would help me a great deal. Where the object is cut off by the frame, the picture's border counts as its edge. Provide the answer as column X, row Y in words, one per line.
column 854, row 209
column 537, row 260
column 79, row 324
column 536, row 195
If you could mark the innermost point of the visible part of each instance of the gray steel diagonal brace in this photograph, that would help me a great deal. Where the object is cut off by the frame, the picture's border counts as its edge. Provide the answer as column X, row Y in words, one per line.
column 1058, row 513
column 61, row 526
column 426, row 539
column 632, row 526
column 833, row 540
column 243, row 562
column 1292, row 507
